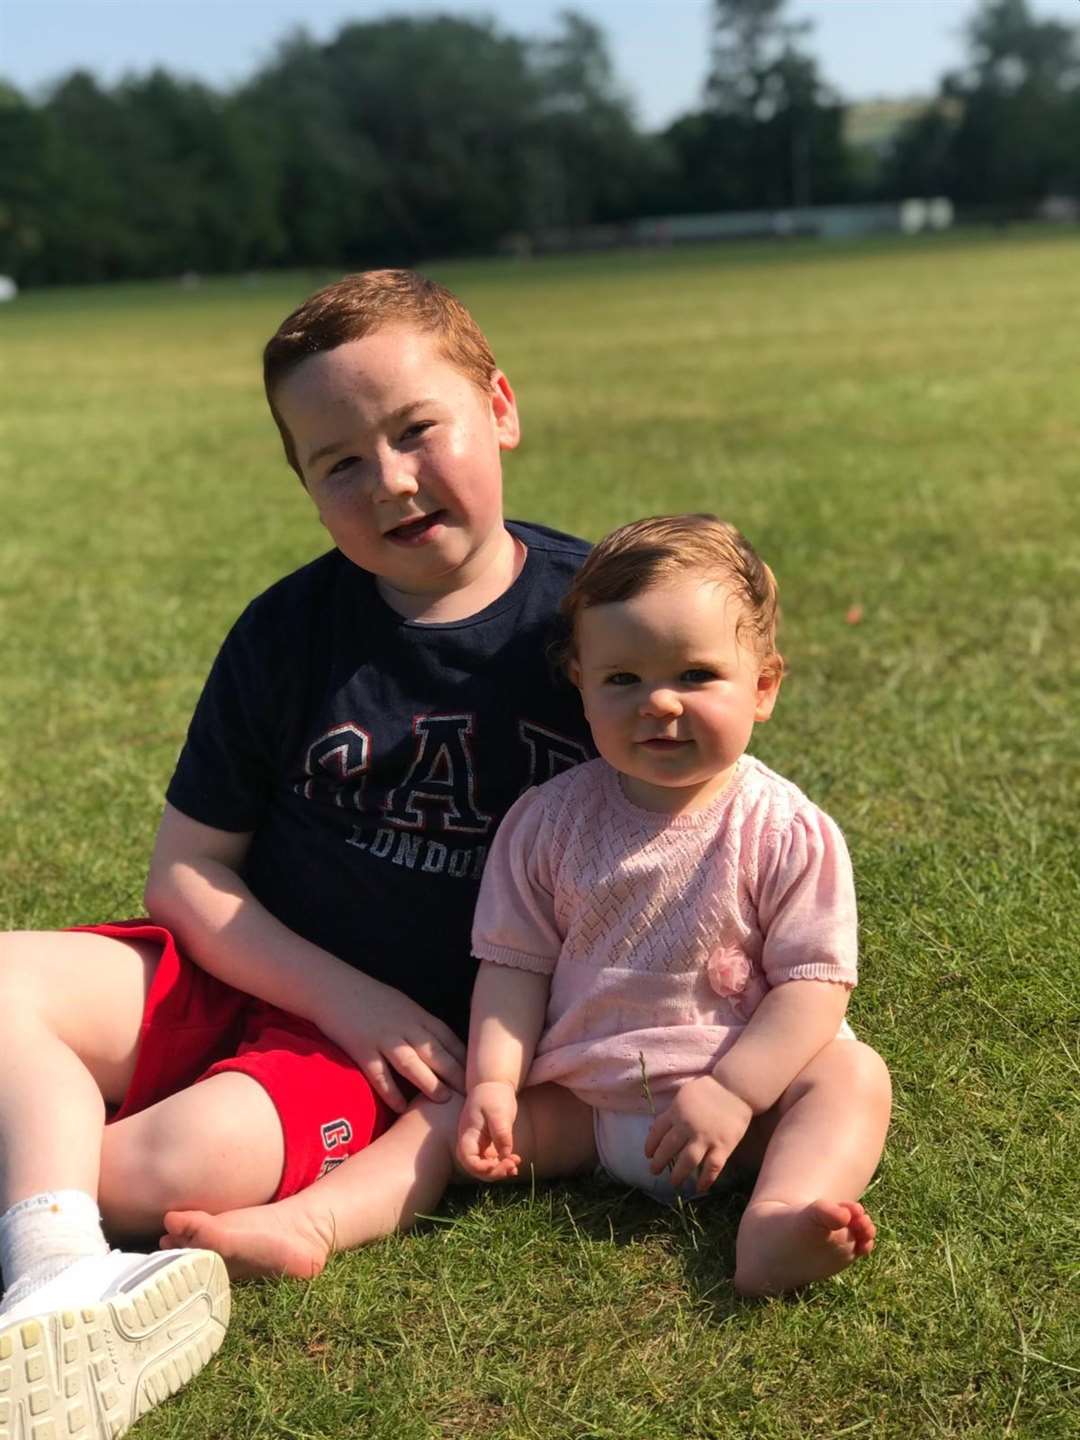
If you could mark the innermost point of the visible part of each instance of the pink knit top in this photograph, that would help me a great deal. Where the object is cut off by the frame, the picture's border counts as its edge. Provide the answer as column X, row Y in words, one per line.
column 661, row 933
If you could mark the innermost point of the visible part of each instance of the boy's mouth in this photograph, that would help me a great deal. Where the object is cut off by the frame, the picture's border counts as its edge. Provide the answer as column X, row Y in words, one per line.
column 411, row 532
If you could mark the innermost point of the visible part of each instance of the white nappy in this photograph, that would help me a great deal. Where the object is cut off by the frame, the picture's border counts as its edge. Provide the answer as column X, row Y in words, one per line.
column 620, row 1144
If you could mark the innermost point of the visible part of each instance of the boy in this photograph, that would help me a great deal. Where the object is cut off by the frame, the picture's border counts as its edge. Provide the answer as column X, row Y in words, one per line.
column 366, row 724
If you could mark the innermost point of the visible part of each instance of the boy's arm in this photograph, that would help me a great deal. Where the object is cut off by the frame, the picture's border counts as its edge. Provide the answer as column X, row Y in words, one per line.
column 508, row 1008
column 195, row 888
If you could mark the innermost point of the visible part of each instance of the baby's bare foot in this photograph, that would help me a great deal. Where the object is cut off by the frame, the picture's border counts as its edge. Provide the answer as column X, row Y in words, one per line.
column 263, row 1240
column 781, row 1247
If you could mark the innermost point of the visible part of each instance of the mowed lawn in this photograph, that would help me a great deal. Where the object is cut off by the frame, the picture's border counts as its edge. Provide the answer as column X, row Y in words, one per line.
column 897, row 427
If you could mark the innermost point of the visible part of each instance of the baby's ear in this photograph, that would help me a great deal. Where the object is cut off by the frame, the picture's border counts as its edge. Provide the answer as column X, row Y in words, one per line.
column 573, row 672
column 768, row 685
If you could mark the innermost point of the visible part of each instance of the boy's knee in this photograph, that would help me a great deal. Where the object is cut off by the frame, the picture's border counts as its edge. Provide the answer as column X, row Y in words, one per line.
column 19, row 987
column 145, row 1168
column 158, row 1162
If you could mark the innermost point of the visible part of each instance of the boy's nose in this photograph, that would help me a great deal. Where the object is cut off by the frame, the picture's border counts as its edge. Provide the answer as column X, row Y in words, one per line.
column 393, row 479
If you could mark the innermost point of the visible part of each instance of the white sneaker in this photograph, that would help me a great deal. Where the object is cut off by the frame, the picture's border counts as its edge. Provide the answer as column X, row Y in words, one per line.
column 87, row 1353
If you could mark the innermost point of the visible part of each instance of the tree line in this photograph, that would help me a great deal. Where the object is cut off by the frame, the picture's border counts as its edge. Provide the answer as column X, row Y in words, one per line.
column 409, row 137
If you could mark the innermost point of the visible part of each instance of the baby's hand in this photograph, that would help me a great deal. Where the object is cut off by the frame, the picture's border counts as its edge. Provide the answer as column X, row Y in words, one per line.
column 486, row 1131
column 698, row 1131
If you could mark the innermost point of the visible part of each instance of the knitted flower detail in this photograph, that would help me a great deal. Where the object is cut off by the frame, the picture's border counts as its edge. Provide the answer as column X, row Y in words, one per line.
column 728, row 970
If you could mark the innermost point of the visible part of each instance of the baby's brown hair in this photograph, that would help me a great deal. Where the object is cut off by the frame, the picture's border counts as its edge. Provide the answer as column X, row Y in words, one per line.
column 360, row 304
column 645, row 553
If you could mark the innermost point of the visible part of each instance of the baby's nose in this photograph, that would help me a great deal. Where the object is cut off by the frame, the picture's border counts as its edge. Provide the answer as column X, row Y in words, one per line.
column 661, row 701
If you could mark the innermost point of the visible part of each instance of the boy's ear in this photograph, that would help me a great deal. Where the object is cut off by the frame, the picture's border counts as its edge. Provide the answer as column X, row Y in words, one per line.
column 573, row 672
column 768, row 687
column 504, row 408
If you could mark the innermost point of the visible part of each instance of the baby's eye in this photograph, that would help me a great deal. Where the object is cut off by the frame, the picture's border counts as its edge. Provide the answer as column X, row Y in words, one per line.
column 414, row 431
column 698, row 676
column 621, row 677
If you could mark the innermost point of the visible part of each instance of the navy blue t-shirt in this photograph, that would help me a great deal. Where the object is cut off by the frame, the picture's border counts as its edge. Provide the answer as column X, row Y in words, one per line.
column 372, row 757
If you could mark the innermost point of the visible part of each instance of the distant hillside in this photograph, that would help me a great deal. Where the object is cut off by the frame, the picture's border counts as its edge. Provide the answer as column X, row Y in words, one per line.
column 872, row 124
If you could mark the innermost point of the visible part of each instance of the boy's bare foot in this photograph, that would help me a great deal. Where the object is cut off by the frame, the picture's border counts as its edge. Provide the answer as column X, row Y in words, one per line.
column 781, row 1247
column 262, row 1240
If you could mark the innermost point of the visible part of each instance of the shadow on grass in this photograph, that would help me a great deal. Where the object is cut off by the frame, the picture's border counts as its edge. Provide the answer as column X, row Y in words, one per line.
column 700, row 1235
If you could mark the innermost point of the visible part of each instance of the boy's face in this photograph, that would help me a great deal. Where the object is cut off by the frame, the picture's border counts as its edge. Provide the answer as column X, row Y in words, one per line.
column 670, row 691
column 401, row 454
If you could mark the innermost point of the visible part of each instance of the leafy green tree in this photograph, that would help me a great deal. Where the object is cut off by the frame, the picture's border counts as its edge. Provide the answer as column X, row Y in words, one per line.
column 771, row 134
column 24, row 189
column 192, row 195
column 1006, row 129
column 395, row 139
column 585, row 159
column 89, row 235
column 750, row 39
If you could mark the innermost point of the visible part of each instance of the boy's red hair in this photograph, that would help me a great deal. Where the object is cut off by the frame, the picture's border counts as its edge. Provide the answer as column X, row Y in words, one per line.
column 358, row 305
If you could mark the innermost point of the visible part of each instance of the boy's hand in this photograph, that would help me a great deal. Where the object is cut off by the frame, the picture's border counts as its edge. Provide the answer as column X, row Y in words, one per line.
column 385, row 1032
column 698, row 1131
column 486, row 1131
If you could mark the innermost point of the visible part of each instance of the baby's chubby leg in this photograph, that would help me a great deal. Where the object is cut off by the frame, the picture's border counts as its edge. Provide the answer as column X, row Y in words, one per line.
column 554, row 1136
column 804, row 1222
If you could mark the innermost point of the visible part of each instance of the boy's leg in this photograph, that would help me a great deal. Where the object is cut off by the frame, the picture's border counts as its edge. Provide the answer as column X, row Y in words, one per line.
column 400, row 1175
column 72, row 1006
column 371, row 1194
column 803, row 1221
column 215, row 1146
column 92, row 1339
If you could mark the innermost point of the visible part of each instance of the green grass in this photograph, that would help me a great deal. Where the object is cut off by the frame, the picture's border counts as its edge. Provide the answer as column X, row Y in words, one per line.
column 897, row 427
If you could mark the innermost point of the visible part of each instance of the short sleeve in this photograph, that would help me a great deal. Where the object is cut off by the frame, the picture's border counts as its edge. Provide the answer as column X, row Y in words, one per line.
column 225, row 772
column 806, row 903
column 515, row 920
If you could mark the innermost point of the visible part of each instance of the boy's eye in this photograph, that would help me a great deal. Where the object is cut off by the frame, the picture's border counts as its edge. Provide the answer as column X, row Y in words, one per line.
column 699, row 676
column 345, row 463
column 621, row 677
column 414, row 431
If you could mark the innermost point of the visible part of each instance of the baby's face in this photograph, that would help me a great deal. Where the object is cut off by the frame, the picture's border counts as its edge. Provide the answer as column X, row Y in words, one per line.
column 400, row 452
column 670, row 691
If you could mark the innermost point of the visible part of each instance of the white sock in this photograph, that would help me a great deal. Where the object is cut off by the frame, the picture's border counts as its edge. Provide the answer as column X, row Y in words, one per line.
column 43, row 1235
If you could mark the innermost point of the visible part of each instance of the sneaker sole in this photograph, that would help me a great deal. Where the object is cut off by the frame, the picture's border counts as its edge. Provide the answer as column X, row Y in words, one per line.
column 88, row 1374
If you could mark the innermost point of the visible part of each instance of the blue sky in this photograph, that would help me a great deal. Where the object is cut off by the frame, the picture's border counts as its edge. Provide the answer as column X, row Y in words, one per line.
column 866, row 47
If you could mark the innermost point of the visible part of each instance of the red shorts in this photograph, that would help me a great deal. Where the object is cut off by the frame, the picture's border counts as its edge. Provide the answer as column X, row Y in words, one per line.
column 195, row 1026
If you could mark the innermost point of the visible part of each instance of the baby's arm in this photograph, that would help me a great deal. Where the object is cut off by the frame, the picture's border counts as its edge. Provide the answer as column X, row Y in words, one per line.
column 196, row 889
column 517, row 937
column 793, row 1023
column 508, row 1010
column 806, row 909
column 709, row 1116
